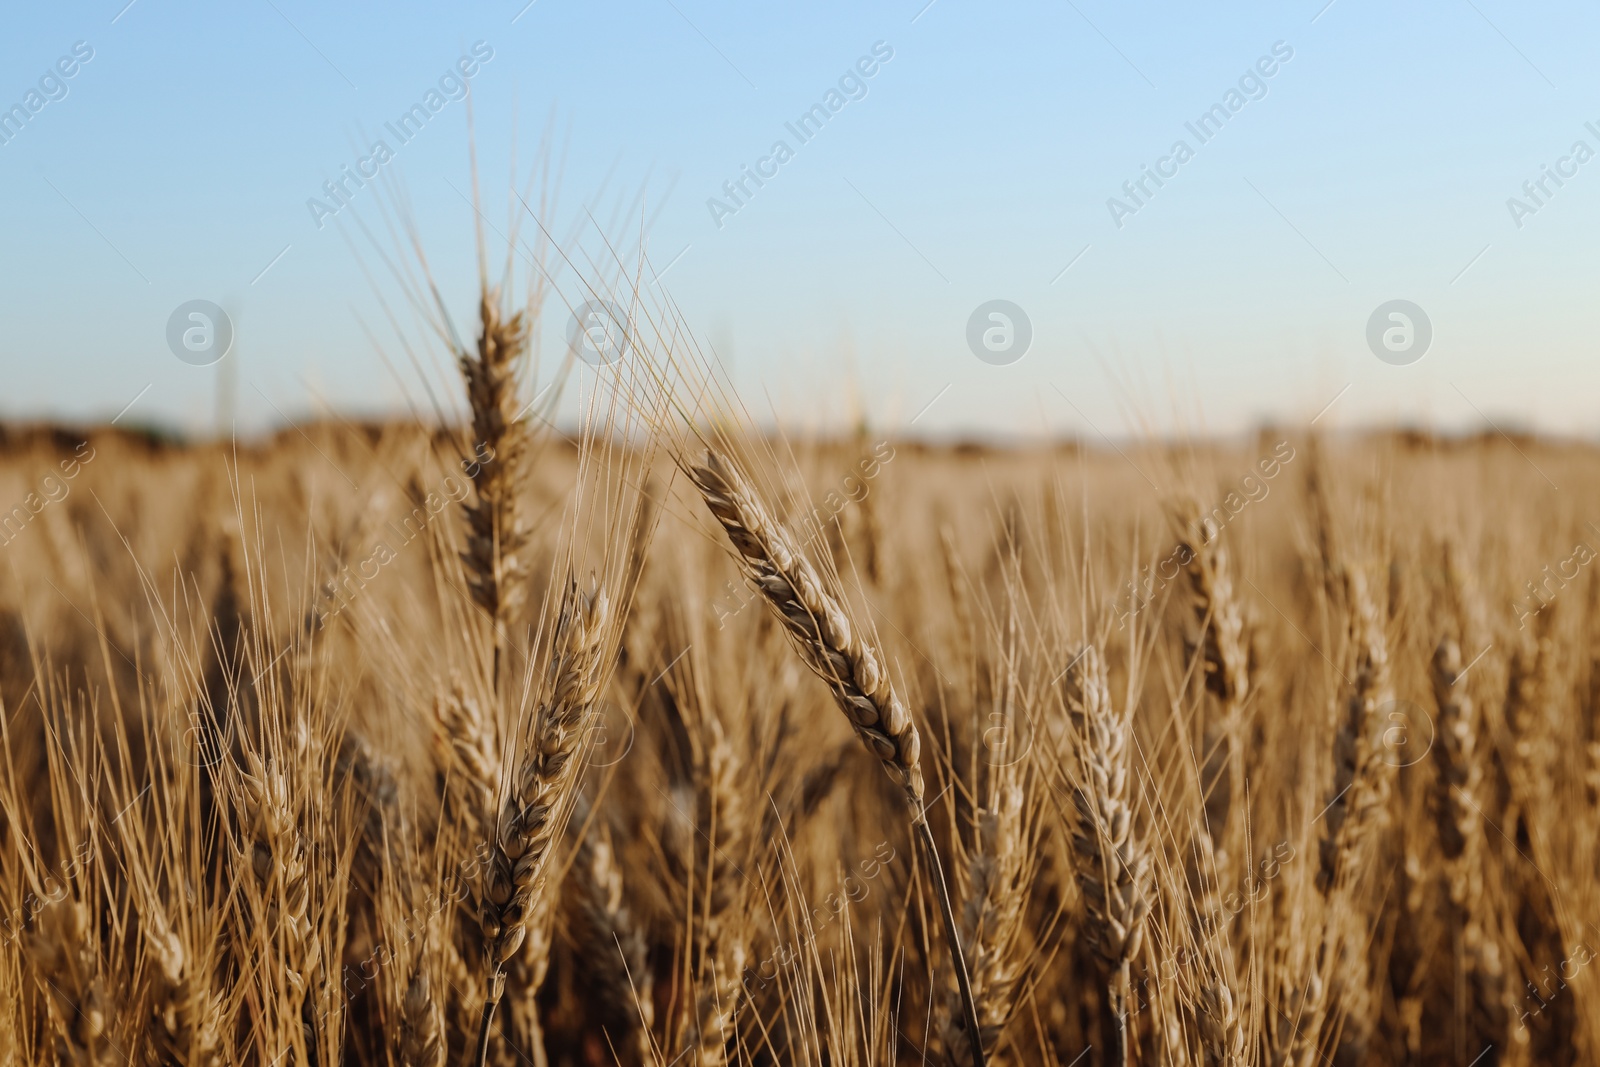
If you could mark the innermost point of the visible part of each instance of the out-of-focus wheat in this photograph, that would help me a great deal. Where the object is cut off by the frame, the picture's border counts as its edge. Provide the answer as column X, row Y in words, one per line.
column 1112, row 863
column 227, row 838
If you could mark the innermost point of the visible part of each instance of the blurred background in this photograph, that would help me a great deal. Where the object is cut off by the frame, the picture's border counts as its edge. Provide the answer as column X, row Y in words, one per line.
column 995, row 152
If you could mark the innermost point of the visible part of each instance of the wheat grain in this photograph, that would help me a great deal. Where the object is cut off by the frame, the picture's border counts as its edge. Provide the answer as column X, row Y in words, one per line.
column 497, row 570
column 724, row 950
column 1215, row 632
column 992, row 925
column 467, row 755
column 421, row 1025
column 613, row 943
column 543, row 788
column 816, row 621
column 1112, row 864
column 1361, row 764
column 1458, row 776
column 63, row 957
column 186, row 1013
column 821, row 632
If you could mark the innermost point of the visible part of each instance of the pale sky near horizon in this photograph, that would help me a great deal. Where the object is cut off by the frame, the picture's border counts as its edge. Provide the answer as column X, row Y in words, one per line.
column 1357, row 154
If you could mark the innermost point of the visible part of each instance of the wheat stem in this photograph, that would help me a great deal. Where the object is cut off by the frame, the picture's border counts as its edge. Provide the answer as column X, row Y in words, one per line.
column 821, row 632
column 541, row 794
column 1113, row 866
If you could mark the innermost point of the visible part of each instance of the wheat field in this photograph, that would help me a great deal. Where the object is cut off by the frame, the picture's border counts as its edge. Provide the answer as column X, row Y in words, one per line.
column 489, row 742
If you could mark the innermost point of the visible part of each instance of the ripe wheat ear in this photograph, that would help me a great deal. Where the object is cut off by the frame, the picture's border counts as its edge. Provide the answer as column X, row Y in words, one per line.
column 543, row 789
column 820, row 630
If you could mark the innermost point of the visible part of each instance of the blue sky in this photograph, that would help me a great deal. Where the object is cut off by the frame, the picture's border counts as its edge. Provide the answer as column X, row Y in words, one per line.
column 977, row 166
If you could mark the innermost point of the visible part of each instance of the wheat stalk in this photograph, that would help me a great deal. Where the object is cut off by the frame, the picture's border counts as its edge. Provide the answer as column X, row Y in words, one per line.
column 817, row 624
column 1458, row 779
column 1458, row 776
column 497, row 570
column 542, row 789
column 422, row 1041
column 186, row 1013
column 1221, row 1030
column 715, row 1010
column 63, row 956
column 274, row 853
column 992, row 922
column 725, row 901
column 1216, row 631
column 613, row 943
column 1112, row 864
column 467, row 756
column 1355, row 811
column 821, row 632
column 525, row 976
column 1361, row 778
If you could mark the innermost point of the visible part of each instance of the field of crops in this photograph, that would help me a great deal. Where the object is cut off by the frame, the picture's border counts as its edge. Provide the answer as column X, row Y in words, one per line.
column 665, row 741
